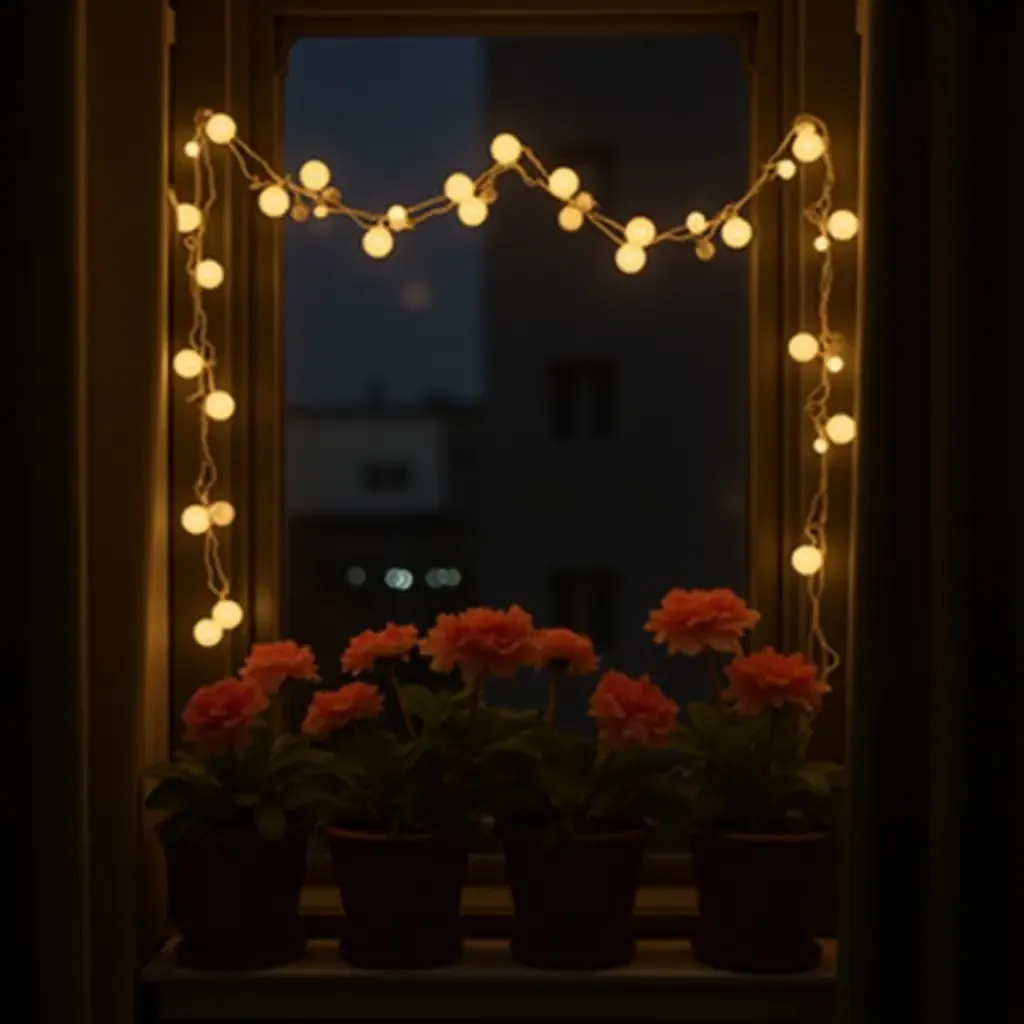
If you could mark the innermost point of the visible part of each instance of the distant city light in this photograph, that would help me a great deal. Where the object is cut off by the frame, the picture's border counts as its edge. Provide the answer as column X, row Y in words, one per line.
column 438, row 577
column 435, row 578
column 398, row 579
column 356, row 575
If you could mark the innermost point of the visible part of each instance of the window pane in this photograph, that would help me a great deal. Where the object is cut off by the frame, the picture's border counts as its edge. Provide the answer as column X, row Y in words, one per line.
column 497, row 414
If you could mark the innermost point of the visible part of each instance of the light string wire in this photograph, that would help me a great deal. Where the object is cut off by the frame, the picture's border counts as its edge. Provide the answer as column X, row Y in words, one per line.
column 280, row 195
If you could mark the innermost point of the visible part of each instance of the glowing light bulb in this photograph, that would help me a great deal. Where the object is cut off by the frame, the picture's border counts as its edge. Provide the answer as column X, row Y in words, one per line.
column 785, row 169
column 821, row 243
column 506, row 148
column 195, row 519
column 226, row 613
column 209, row 274
column 808, row 144
column 189, row 217
column 841, row 429
column 630, row 258
column 274, row 201
column 188, row 363
column 207, row 633
column 696, row 222
column 398, row 217
column 219, row 405
column 300, row 213
column 378, row 242
column 807, row 559
column 705, row 249
column 584, row 201
column 570, row 218
column 803, row 347
column 320, row 211
column 314, row 175
column 564, row 183
column 640, row 231
column 842, row 225
column 472, row 211
column 834, row 363
column 191, row 149
column 221, row 128
column 737, row 232
column 820, row 445
column 222, row 513
column 459, row 186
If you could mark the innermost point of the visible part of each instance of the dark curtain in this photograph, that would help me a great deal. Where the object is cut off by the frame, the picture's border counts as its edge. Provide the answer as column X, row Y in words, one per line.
column 937, row 617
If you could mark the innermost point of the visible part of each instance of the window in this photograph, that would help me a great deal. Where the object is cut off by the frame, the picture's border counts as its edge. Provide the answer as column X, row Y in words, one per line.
column 585, row 600
column 386, row 476
column 581, row 399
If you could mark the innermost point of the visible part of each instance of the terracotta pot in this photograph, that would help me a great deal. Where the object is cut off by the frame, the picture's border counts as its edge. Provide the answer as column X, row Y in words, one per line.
column 574, row 901
column 757, row 896
column 235, row 898
column 401, row 897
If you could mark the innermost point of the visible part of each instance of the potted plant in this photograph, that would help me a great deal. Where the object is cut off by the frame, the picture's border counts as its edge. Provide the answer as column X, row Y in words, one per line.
column 577, row 818
column 762, row 811
column 408, row 800
column 239, row 801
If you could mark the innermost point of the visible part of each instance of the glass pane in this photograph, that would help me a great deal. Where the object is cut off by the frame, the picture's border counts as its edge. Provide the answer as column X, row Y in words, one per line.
column 498, row 414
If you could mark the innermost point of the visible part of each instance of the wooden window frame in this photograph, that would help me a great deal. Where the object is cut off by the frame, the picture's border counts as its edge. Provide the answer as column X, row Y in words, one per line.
column 802, row 55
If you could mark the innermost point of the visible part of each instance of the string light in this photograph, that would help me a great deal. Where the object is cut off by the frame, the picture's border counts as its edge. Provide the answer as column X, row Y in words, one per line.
column 807, row 142
column 191, row 149
column 195, row 519
column 189, row 217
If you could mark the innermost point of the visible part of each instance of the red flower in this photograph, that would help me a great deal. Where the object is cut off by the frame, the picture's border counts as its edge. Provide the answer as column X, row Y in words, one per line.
column 271, row 664
column 335, row 709
column 482, row 641
column 566, row 650
column 632, row 712
column 689, row 621
column 369, row 647
column 769, row 678
column 221, row 714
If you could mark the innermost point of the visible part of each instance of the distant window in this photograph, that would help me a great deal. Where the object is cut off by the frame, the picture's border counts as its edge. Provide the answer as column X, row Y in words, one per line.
column 582, row 398
column 386, row 477
column 584, row 600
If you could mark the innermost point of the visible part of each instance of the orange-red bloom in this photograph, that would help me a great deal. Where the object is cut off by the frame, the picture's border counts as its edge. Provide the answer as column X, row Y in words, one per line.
column 370, row 646
column 769, row 678
column 337, row 708
column 221, row 714
column 689, row 621
column 565, row 650
column 482, row 641
column 271, row 664
column 632, row 712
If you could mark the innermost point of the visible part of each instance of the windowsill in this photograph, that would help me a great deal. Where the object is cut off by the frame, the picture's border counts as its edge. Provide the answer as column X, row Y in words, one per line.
column 664, row 983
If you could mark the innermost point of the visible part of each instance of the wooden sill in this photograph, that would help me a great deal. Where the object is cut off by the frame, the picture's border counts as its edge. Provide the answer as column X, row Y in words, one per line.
column 664, row 983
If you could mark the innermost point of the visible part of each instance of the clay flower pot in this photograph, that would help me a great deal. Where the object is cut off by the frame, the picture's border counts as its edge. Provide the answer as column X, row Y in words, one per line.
column 400, row 896
column 574, row 901
column 235, row 898
column 758, row 900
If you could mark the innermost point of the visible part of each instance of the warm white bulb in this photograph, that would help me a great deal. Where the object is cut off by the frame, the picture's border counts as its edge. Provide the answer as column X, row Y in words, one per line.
column 696, row 222
column 640, row 231
column 564, row 183
column 584, row 201
column 841, row 429
column 630, row 258
column 808, row 144
column 378, row 242
column 219, row 405
column 398, row 217
column 188, row 363
column 226, row 613
column 737, row 232
column 221, row 128
column 209, row 274
column 842, row 225
column 821, row 243
column 459, row 186
column 320, row 211
column 472, row 211
column 222, row 513
column 189, row 217
column 505, row 148
column 834, row 363
column 195, row 519
column 274, row 201
column 314, row 175
column 803, row 347
column 570, row 218
column 191, row 149
column 807, row 559
column 705, row 249
column 785, row 169
column 820, row 445
column 207, row 633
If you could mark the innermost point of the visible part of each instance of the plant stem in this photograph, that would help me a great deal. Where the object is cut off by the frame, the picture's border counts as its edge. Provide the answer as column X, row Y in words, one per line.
column 393, row 679
column 712, row 667
column 552, row 711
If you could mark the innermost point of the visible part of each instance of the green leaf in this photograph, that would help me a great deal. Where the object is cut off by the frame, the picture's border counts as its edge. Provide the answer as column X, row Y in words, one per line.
column 245, row 799
column 425, row 704
column 835, row 773
column 270, row 821
column 688, row 741
column 705, row 718
column 300, row 796
column 745, row 730
column 173, row 795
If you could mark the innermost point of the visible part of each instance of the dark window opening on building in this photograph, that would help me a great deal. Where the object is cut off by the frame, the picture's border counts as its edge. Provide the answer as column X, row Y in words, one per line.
column 390, row 477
